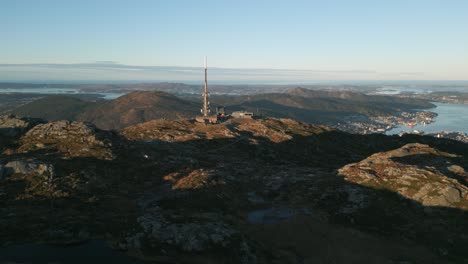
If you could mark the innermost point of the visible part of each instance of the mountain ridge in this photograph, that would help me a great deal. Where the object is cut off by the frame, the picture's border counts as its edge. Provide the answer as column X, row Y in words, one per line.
column 322, row 107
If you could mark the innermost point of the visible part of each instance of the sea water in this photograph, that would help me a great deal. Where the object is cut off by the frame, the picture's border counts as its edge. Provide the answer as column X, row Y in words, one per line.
column 451, row 117
column 394, row 90
column 51, row 91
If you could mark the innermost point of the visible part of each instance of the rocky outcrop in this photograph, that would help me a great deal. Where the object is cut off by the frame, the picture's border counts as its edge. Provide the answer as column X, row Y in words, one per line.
column 176, row 131
column 193, row 180
column 415, row 171
column 203, row 232
column 76, row 139
column 27, row 167
column 12, row 126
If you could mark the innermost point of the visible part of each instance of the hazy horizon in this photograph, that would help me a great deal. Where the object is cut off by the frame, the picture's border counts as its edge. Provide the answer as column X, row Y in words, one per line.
column 105, row 72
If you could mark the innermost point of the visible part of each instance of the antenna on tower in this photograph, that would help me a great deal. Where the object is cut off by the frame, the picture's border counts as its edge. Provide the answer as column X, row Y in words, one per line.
column 206, row 117
column 206, row 104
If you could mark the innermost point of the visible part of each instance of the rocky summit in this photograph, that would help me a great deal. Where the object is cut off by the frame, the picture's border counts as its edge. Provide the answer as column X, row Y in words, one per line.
column 244, row 191
column 275, row 130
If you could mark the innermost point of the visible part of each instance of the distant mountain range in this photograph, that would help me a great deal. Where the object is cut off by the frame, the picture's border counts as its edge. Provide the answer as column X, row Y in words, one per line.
column 322, row 107
column 183, row 88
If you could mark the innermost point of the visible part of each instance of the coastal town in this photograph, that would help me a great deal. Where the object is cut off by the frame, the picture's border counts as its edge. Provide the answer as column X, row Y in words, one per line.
column 408, row 120
column 381, row 124
column 442, row 97
column 460, row 136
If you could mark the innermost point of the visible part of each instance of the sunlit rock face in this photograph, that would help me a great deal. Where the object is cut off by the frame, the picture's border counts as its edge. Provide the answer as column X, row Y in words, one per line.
column 415, row 171
column 12, row 126
column 76, row 139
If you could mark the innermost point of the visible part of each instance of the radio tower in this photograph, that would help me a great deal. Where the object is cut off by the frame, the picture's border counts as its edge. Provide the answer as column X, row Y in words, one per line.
column 206, row 104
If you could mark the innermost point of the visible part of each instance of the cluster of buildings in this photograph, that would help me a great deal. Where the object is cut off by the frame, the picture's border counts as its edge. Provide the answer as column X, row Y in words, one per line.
column 460, row 136
column 381, row 124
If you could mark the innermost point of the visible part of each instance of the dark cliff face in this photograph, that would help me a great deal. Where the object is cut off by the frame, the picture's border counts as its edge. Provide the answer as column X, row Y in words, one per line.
column 244, row 191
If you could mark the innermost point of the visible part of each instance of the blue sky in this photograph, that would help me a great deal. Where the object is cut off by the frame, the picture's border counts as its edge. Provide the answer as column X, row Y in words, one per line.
column 308, row 40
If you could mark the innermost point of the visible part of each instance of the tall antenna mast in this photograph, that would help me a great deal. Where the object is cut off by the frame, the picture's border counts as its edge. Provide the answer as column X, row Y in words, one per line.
column 206, row 104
